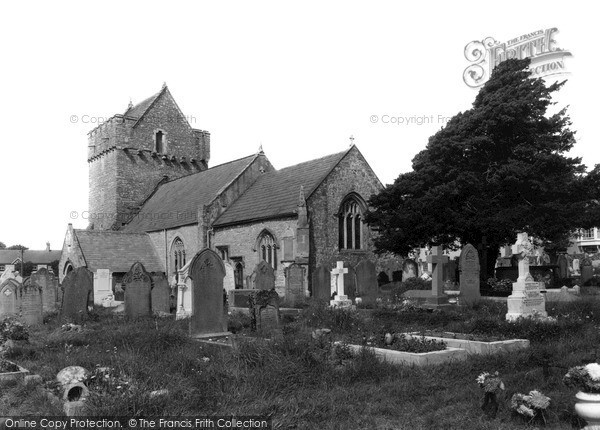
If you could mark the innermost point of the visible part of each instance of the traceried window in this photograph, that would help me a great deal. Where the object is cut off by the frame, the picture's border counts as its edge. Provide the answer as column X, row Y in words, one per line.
column 238, row 275
column 350, row 224
column 178, row 256
column 267, row 249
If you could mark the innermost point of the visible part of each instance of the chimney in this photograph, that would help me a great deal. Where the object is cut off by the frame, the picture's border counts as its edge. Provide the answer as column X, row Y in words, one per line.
column 48, row 246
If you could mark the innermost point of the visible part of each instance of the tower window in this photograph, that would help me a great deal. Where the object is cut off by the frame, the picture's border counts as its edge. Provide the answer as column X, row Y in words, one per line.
column 159, row 142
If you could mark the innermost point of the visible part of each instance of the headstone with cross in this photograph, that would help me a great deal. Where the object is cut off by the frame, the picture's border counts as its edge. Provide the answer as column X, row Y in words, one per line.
column 341, row 299
column 437, row 260
column 526, row 298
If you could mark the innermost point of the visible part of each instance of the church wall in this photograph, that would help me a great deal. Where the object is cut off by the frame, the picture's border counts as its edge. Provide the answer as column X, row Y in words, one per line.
column 188, row 234
column 352, row 174
column 242, row 240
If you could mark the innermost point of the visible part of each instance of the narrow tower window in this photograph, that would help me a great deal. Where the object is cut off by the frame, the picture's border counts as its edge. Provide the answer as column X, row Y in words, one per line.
column 159, row 142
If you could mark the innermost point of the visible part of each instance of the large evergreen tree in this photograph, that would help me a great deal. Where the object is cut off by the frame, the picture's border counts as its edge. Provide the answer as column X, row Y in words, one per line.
column 495, row 170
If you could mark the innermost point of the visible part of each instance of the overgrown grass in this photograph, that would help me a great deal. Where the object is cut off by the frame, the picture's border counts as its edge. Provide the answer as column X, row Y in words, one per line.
column 307, row 383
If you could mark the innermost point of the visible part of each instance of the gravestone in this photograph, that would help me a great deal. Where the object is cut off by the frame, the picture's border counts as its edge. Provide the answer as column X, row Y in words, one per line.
column 526, row 298
column 137, row 285
column 184, row 292
column 350, row 282
column 240, row 298
column 160, row 294
column 563, row 266
column 229, row 280
column 102, row 285
column 409, row 269
column 9, row 299
column 208, row 314
column 264, row 276
column 587, row 271
column 469, row 275
column 31, row 308
column 78, row 290
column 576, row 267
column 268, row 318
column 321, row 284
column 366, row 281
column 338, row 276
column 294, row 285
column 49, row 285
column 437, row 260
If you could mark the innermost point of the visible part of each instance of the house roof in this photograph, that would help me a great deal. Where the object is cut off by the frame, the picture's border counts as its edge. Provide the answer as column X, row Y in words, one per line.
column 176, row 203
column 116, row 250
column 7, row 256
column 276, row 193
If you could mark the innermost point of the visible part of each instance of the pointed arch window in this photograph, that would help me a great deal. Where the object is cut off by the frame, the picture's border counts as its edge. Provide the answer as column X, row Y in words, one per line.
column 178, row 257
column 267, row 249
column 351, row 235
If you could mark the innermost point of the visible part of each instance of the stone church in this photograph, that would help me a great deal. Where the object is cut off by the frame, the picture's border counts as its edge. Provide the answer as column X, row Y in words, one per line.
column 153, row 198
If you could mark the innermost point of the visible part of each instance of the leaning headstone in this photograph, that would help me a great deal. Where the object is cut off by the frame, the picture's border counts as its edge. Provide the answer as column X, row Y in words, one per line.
column 587, row 271
column 526, row 298
column 469, row 275
column 366, row 281
column 264, row 276
column 161, row 294
column 208, row 314
column 338, row 276
column 321, row 284
column 49, row 285
column 137, row 284
column 9, row 299
column 31, row 310
column 409, row 269
column 294, row 285
column 77, row 294
column 563, row 266
column 102, row 285
column 437, row 261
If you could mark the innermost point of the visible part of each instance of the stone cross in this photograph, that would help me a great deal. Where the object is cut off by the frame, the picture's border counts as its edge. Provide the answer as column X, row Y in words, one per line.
column 522, row 249
column 437, row 260
column 339, row 270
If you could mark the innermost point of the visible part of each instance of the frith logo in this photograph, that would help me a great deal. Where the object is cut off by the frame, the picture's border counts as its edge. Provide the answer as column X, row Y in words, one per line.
column 546, row 58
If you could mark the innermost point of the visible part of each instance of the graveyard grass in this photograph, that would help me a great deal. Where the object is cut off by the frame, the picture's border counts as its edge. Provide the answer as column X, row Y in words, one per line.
column 305, row 383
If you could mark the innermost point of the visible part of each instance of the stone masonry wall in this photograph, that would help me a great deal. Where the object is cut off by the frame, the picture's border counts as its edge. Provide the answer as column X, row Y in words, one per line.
column 352, row 174
column 242, row 240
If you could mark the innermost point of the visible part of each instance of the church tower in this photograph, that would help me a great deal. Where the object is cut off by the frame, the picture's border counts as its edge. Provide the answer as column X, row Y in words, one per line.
column 131, row 154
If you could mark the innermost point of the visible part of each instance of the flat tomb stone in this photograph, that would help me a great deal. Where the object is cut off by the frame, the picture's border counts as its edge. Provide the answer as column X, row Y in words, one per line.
column 479, row 347
column 416, row 359
column 14, row 376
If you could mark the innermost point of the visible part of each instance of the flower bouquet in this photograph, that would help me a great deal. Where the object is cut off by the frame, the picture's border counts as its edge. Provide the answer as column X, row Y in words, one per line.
column 530, row 406
column 491, row 384
column 585, row 378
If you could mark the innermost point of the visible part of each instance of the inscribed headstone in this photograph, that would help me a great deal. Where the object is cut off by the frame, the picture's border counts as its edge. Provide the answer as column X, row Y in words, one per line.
column 409, row 269
column 321, row 284
column 137, row 284
column 49, row 285
column 587, row 271
column 31, row 309
column 366, row 281
column 208, row 314
column 77, row 294
column 295, row 284
column 264, row 276
column 102, row 285
column 469, row 275
column 161, row 293
column 9, row 300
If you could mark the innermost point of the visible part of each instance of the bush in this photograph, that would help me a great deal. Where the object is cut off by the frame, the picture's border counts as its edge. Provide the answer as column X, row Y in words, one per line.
column 13, row 330
column 500, row 287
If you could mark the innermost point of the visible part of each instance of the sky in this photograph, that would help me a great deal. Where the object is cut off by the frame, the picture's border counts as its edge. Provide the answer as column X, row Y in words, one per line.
column 298, row 78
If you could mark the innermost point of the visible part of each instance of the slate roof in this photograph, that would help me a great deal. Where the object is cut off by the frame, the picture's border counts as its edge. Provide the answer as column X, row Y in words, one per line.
column 7, row 256
column 117, row 251
column 139, row 109
column 276, row 193
column 176, row 203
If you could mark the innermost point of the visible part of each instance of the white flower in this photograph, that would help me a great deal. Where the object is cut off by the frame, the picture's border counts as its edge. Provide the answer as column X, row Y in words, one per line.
column 593, row 369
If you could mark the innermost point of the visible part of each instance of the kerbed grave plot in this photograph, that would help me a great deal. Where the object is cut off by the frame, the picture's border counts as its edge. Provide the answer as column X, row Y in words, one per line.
column 457, row 340
column 10, row 371
column 416, row 358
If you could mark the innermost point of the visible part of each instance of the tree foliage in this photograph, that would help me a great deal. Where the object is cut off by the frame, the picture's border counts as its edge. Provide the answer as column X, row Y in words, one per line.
column 17, row 247
column 495, row 170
